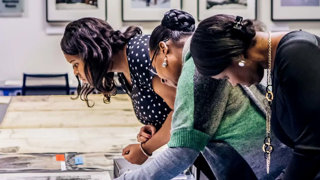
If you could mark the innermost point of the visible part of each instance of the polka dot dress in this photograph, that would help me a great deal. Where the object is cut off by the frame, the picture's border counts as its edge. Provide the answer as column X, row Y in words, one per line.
column 148, row 106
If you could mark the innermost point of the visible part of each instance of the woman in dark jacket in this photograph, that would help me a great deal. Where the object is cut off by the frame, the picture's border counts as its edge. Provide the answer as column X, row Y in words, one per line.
column 228, row 47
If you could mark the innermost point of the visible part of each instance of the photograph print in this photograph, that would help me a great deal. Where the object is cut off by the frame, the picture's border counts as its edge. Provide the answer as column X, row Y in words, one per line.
column 147, row 10
column 150, row 3
column 70, row 10
column 286, row 10
column 11, row 8
column 245, row 8
column 300, row 2
column 227, row 4
column 76, row 4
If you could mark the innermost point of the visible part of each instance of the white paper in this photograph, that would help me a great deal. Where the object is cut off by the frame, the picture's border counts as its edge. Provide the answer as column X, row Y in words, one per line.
column 63, row 166
column 55, row 176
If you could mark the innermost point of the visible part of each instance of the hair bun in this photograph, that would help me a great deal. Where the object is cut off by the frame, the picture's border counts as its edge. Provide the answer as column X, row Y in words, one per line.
column 178, row 20
column 245, row 31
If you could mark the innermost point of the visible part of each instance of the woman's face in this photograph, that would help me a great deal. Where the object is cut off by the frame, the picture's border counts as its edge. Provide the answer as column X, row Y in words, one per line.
column 78, row 66
column 249, row 74
column 169, row 74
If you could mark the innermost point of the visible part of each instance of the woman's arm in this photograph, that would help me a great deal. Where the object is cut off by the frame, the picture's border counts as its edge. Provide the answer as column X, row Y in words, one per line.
column 299, row 85
column 166, row 165
column 162, row 137
column 132, row 152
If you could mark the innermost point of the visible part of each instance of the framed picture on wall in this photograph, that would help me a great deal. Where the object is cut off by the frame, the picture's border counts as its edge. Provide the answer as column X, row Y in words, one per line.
column 147, row 10
column 69, row 10
column 11, row 8
column 295, row 10
column 245, row 8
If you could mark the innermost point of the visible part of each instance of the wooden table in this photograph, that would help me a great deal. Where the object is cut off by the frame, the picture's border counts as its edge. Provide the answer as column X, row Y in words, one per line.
column 35, row 128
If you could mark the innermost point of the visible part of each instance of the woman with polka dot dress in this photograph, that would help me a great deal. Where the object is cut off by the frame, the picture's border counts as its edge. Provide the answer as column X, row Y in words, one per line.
column 96, row 52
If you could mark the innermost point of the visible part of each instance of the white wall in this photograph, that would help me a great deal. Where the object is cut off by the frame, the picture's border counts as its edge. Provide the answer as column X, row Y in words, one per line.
column 25, row 46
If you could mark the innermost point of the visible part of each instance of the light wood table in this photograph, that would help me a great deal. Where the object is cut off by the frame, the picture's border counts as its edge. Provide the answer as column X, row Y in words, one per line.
column 62, row 112
column 35, row 128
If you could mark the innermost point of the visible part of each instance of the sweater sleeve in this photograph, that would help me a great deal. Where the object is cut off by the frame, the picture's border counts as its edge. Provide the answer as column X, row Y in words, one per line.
column 199, row 107
column 183, row 133
column 166, row 165
column 299, row 87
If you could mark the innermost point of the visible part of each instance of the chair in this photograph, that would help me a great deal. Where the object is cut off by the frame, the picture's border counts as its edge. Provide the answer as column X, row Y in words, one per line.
column 45, row 84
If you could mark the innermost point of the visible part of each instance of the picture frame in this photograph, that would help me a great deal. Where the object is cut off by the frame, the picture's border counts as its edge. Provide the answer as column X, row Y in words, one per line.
column 139, row 11
column 286, row 10
column 11, row 8
column 245, row 8
column 70, row 10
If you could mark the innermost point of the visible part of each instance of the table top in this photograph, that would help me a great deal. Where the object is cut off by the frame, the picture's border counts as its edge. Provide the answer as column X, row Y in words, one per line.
column 37, row 125
column 62, row 112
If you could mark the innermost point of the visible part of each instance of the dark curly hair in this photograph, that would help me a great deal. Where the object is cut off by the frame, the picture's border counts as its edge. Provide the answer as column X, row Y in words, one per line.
column 174, row 25
column 95, row 42
column 216, row 42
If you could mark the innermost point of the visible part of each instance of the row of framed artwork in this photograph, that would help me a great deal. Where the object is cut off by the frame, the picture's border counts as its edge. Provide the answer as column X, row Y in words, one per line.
column 153, row 10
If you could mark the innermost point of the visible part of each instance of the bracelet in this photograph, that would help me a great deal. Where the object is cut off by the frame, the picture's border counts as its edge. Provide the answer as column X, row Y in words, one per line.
column 144, row 152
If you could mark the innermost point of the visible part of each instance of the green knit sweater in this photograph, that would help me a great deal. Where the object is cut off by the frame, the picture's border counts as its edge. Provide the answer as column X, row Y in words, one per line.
column 208, row 111
column 234, row 119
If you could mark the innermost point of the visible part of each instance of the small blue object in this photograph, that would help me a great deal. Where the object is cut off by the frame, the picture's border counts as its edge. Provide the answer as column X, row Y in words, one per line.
column 78, row 160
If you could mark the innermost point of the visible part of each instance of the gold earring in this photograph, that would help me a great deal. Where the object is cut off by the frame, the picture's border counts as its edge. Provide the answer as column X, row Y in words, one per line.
column 242, row 63
column 165, row 64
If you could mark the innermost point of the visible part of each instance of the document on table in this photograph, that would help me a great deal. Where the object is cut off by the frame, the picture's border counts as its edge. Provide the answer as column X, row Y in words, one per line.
column 57, row 175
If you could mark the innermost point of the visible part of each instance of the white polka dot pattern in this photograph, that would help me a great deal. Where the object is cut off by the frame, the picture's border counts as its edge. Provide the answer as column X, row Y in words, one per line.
column 148, row 106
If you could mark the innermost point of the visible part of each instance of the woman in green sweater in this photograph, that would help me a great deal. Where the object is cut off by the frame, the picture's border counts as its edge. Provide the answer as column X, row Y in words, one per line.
column 224, row 123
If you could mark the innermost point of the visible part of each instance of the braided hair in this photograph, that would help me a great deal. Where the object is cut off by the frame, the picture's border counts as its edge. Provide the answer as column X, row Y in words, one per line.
column 95, row 42
column 175, row 25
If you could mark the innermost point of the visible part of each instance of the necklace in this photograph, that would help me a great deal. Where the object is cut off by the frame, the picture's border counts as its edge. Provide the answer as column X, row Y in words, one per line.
column 267, row 147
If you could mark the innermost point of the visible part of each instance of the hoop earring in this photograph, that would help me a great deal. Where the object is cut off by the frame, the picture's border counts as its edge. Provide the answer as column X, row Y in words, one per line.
column 242, row 63
column 165, row 64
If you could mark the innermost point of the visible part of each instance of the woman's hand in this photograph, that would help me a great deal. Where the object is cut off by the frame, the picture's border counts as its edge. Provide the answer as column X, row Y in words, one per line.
column 146, row 132
column 133, row 154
